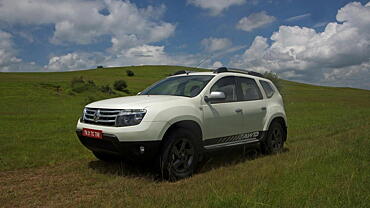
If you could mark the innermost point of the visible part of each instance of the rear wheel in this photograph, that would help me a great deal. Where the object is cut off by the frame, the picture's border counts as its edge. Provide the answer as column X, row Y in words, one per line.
column 105, row 156
column 274, row 141
column 179, row 156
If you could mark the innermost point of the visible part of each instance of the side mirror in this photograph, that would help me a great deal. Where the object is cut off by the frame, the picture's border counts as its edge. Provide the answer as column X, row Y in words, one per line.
column 215, row 95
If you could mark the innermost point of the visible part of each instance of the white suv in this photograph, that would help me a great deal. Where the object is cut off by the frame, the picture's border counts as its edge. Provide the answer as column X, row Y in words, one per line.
column 179, row 119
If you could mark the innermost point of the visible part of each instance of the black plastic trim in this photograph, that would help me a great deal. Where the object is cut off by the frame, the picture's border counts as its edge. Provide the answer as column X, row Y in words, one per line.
column 241, row 71
column 233, row 141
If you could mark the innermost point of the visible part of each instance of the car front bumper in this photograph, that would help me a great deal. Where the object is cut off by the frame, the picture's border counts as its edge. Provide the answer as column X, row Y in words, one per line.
column 131, row 150
column 145, row 131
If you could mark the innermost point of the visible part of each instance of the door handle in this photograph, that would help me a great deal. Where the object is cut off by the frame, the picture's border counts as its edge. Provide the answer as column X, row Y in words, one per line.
column 263, row 108
column 238, row 110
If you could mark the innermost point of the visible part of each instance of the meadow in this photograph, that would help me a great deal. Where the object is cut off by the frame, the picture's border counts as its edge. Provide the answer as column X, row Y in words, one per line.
column 326, row 161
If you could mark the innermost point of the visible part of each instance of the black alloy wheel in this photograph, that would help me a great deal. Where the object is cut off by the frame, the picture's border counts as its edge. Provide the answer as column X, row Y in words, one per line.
column 277, row 140
column 274, row 141
column 182, row 155
column 179, row 156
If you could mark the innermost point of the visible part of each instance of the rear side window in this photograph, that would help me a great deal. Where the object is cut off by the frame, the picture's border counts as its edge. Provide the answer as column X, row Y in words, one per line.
column 269, row 90
column 249, row 89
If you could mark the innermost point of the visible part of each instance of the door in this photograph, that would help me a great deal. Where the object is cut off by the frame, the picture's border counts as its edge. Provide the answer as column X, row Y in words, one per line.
column 252, row 104
column 224, row 117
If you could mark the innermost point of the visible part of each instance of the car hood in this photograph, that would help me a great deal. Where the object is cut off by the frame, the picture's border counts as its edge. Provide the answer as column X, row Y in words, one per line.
column 135, row 102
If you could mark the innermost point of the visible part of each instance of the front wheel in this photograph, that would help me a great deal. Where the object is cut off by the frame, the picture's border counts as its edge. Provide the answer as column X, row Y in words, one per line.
column 274, row 141
column 179, row 156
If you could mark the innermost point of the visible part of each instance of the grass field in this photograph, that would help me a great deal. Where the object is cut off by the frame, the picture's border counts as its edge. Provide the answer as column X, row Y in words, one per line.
column 326, row 162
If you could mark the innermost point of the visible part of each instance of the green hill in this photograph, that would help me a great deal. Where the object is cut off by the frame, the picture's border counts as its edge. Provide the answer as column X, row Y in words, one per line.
column 326, row 162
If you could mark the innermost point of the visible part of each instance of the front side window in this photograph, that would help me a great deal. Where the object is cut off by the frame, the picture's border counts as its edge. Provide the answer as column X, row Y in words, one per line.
column 267, row 88
column 226, row 85
column 249, row 89
column 188, row 86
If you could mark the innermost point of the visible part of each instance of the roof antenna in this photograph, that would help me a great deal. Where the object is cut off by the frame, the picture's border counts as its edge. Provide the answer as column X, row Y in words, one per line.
column 203, row 60
column 219, row 55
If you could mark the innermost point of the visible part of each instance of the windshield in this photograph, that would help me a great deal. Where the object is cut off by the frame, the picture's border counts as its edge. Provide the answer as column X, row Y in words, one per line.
column 188, row 86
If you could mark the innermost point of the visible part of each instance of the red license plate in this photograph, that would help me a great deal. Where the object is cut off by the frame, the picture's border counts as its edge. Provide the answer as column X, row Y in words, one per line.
column 98, row 134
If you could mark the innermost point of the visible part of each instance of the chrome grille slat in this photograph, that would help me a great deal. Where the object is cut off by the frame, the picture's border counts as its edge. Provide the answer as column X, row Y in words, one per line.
column 106, row 117
column 113, row 111
column 102, row 115
column 100, row 120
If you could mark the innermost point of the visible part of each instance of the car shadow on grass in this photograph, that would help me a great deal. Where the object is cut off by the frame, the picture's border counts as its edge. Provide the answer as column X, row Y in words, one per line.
column 149, row 170
column 231, row 157
column 126, row 169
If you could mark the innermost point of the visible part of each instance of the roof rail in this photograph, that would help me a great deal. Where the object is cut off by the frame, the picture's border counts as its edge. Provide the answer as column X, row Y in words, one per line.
column 224, row 69
column 181, row 72
column 220, row 70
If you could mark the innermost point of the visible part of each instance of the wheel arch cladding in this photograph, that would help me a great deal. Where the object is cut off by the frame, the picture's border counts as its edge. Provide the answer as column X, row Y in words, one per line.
column 190, row 125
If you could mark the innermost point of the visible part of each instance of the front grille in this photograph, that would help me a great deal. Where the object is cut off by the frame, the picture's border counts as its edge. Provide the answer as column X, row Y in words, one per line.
column 105, row 117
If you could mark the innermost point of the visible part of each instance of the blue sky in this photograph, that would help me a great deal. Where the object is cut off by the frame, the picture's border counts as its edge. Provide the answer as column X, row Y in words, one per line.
column 320, row 42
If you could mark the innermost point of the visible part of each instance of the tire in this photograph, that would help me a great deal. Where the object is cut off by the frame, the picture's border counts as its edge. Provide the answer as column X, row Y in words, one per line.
column 105, row 156
column 274, row 141
column 179, row 156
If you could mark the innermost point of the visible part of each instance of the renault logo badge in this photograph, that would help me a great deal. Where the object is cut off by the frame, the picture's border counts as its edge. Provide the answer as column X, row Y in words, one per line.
column 96, row 115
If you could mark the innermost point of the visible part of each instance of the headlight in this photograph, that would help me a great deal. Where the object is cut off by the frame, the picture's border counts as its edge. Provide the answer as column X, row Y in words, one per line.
column 130, row 117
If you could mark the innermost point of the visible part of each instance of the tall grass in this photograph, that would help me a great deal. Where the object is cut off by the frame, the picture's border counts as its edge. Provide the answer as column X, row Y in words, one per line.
column 325, row 162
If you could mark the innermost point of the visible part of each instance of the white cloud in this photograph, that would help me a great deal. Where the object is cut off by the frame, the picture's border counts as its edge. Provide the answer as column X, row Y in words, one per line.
column 340, row 52
column 254, row 21
column 74, row 61
column 81, row 22
column 320, row 24
column 140, row 55
column 8, row 55
column 215, row 7
column 354, row 76
column 145, row 54
column 217, row 64
column 215, row 44
column 150, row 55
column 73, row 19
column 298, row 17
column 5, row 42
